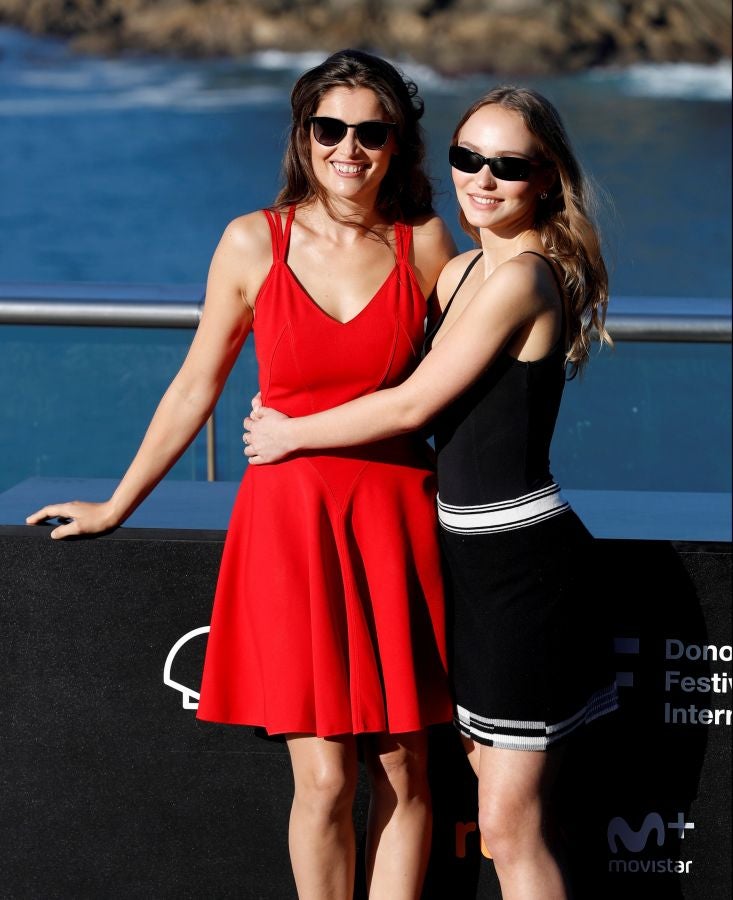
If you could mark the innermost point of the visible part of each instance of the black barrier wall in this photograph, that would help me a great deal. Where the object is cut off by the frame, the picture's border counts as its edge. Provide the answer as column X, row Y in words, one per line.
column 645, row 799
column 112, row 789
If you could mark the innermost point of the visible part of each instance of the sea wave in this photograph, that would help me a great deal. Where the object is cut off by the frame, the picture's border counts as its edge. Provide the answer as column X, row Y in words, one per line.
column 284, row 61
column 117, row 90
column 41, row 77
column 684, row 81
column 88, row 74
column 695, row 81
column 296, row 63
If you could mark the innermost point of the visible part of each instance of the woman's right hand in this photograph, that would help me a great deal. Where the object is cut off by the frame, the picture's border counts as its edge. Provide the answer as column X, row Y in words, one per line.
column 77, row 518
column 266, row 435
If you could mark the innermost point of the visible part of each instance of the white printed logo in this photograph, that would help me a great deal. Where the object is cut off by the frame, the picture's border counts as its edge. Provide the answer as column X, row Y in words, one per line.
column 635, row 841
column 190, row 697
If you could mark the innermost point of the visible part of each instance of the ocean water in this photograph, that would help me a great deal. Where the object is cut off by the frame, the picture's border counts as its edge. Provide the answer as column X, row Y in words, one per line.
column 127, row 171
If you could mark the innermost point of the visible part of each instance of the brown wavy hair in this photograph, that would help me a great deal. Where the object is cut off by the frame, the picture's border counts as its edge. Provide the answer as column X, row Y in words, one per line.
column 563, row 219
column 405, row 192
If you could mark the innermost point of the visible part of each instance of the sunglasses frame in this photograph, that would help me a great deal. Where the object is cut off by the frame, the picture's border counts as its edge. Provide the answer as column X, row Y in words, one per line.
column 313, row 120
column 495, row 161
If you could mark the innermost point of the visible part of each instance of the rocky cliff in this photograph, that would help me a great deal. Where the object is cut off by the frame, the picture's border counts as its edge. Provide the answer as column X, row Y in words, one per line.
column 454, row 36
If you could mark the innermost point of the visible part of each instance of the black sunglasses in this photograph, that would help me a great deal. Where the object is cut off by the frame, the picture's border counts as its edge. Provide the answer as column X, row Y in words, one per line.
column 372, row 135
column 506, row 168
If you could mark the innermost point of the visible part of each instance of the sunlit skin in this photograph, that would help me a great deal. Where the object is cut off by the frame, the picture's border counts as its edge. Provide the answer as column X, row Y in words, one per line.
column 505, row 208
column 331, row 165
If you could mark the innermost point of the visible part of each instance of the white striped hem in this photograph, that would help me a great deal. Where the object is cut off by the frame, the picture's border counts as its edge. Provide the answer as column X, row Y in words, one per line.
column 506, row 515
column 516, row 734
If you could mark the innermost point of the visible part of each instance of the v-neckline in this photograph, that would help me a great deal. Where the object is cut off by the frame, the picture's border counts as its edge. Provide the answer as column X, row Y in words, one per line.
column 328, row 315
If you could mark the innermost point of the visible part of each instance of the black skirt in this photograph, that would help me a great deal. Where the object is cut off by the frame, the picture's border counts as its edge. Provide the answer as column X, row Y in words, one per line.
column 531, row 652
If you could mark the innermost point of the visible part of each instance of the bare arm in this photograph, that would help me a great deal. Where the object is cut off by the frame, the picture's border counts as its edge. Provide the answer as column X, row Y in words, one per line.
column 506, row 302
column 188, row 401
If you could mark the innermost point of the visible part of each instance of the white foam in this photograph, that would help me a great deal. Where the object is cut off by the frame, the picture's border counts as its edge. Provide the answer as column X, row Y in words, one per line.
column 53, row 80
column 185, row 92
column 283, row 61
column 689, row 81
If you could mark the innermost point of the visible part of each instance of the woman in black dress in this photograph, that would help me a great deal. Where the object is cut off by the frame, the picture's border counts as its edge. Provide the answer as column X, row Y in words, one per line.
column 528, row 656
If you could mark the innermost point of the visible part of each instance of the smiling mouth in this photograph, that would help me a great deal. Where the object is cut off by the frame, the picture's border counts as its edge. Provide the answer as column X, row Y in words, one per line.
column 347, row 169
column 485, row 201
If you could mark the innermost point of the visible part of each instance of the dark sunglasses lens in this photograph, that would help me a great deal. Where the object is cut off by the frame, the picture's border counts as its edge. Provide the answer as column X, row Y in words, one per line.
column 507, row 168
column 465, row 160
column 328, row 132
column 510, row 168
column 372, row 135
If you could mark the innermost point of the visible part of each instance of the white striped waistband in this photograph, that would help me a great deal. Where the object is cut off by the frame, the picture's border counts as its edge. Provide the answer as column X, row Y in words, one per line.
column 521, row 734
column 505, row 515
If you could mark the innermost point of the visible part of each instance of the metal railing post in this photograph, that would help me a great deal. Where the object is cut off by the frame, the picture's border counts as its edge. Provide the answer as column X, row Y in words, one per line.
column 211, row 448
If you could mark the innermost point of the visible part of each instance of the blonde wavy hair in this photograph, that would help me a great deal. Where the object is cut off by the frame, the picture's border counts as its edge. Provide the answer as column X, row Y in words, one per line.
column 563, row 219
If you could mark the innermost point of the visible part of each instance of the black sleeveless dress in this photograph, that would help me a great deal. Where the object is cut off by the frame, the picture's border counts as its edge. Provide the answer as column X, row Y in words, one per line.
column 529, row 655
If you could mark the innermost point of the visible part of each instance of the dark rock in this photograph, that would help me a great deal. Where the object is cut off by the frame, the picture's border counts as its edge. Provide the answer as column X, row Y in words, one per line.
column 455, row 36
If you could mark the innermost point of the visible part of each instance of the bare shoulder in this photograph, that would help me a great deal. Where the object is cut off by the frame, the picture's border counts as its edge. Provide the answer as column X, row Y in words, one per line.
column 432, row 241
column 529, row 275
column 431, row 229
column 452, row 273
column 244, row 254
column 249, row 234
column 432, row 247
column 520, row 287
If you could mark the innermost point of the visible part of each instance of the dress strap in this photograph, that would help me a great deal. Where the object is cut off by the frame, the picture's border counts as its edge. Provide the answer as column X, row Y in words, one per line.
column 403, row 238
column 434, row 330
column 465, row 275
column 286, row 233
column 273, row 220
column 280, row 237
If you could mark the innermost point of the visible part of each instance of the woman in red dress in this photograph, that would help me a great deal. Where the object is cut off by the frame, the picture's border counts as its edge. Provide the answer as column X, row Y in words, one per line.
column 328, row 621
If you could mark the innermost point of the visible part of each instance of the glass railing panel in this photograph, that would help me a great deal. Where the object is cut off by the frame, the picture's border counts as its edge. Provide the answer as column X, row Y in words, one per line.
column 76, row 401
column 648, row 416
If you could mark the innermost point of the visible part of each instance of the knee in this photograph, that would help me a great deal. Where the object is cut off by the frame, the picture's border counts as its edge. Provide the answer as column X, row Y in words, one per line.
column 508, row 829
column 326, row 791
column 401, row 773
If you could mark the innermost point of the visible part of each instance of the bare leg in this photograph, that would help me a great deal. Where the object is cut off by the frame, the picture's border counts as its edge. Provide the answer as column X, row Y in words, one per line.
column 400, row 819
column 321, row 832
column 513, row 790
column 473, row 752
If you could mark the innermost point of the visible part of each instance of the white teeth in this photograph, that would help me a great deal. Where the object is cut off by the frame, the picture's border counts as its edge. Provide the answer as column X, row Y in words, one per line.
column 344, row 169
column 485, row 201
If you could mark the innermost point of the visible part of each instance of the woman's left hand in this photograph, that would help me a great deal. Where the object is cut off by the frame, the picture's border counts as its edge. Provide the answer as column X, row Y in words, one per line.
column 266, row 436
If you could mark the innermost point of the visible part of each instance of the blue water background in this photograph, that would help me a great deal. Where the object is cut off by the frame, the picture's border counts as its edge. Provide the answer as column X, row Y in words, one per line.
column 127, row 171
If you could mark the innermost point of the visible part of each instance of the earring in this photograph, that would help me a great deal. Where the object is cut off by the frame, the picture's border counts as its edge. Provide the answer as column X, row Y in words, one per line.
column 543, row 195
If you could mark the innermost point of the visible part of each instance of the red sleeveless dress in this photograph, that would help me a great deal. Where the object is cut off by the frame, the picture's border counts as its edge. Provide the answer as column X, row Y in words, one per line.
column 328, row 617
